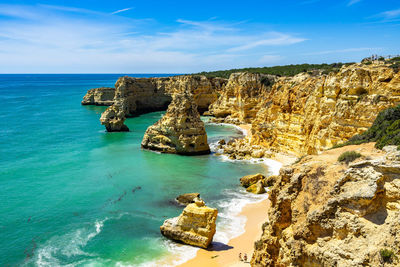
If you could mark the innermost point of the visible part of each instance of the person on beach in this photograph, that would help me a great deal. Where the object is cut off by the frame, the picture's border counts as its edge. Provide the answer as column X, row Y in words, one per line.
column 240, row 256
column 245, row 257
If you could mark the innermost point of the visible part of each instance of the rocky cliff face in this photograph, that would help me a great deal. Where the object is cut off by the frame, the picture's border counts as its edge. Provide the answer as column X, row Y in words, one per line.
column 306, row 114
column 103, row 96
column 180, row 130
column 195, row 226
column 140, row 95
column 241, row 98
column 324, row 213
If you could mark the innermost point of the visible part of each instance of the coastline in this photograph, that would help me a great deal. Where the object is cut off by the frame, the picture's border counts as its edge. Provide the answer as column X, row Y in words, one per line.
column 227, row 255
column 256, row 214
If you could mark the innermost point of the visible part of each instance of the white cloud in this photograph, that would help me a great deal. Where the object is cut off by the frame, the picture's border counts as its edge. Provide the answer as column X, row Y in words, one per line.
column 352, row 2
column 390, row 14
column 121, row 10
column 273, row 39
column 51, row 40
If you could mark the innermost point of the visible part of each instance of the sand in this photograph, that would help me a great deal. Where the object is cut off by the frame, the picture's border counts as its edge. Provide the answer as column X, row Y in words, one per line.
column 228, row 255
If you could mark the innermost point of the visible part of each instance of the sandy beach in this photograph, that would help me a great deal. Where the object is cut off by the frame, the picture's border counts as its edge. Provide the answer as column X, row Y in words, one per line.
column 228, row 254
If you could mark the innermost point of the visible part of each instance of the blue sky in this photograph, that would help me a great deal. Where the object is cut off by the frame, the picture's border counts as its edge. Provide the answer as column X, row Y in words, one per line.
column 117, row 36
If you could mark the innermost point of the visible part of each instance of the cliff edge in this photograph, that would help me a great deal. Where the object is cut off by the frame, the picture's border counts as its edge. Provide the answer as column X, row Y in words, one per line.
column 327, row 213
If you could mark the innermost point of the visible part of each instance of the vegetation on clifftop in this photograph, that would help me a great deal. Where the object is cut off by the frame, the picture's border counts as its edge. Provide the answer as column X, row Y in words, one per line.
column 287, row 70
column 384, row 131
column 349, row 156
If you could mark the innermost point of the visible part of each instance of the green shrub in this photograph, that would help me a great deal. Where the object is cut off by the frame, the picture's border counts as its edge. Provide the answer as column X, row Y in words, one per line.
column 348, row 156
column 387, row 255
column 384, row 131
column 287, row 70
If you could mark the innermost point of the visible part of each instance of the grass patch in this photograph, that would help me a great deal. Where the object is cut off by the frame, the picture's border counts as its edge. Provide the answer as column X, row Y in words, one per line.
column 387, row 255
column 348, row 156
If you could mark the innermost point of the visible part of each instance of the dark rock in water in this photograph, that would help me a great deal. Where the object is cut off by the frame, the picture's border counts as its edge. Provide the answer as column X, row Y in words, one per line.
column 188, row 198
column 222, row 142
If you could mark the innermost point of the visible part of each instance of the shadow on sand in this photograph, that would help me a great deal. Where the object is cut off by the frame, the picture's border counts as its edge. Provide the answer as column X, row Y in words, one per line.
column 218, row 246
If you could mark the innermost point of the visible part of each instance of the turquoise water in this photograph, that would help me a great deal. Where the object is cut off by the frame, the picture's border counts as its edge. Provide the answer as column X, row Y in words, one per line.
column 72, row 194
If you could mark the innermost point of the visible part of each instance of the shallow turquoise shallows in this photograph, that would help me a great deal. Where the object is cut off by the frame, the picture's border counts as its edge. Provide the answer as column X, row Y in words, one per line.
column 72, row 194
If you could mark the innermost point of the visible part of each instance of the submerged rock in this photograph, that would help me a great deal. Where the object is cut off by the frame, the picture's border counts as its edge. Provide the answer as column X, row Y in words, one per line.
column 195, row 226
column 188, row 198
column 249, row 180
column 180, row 130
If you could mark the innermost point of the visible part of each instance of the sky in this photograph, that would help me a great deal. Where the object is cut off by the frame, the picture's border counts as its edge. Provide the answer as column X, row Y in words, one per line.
column 122, row 36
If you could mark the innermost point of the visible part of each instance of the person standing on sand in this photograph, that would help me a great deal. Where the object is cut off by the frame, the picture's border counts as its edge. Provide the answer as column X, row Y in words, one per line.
column 245, row 257
column 240, row 256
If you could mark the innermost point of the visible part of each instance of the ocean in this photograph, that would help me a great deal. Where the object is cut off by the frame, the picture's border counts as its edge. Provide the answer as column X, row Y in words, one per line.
column 72, row 194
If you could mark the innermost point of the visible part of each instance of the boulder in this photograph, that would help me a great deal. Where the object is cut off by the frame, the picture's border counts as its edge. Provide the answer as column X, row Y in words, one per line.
column 195, row 226
column 188, row 198
column 270, row 180
column 249, row 180
column 257, row 188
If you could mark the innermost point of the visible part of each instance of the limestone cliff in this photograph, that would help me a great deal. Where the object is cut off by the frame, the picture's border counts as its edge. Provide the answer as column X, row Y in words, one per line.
column 180, row 130
column 140, row 95
column 306, row 114
column 325, row 213
column 103, row 96
column 241, row 97
column 195, row 226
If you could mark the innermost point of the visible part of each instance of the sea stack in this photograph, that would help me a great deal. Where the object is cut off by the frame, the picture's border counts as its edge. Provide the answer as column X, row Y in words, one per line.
column 180, row 130
column 195, row 226
column 113, row 118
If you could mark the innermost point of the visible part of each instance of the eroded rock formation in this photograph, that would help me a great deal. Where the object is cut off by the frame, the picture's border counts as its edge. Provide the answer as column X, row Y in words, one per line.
column 114, row 120
column 134, row 96
column 180, row 130
column 306, row 114
column 324, row 213
column 240, row 99
column 103, row 96
column 187, row 198
column 195, row 226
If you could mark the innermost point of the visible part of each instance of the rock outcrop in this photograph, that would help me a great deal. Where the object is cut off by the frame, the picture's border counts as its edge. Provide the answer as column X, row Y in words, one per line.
column 306, row 114
column 240, row 99
column 325, row 213
column 187, row 198
column 257, row 188
column 135, row 96
column 114, row 120
column 249, row 180
column 103, row 96
column 180, row 130
column 195, row 226
column 301, row 115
